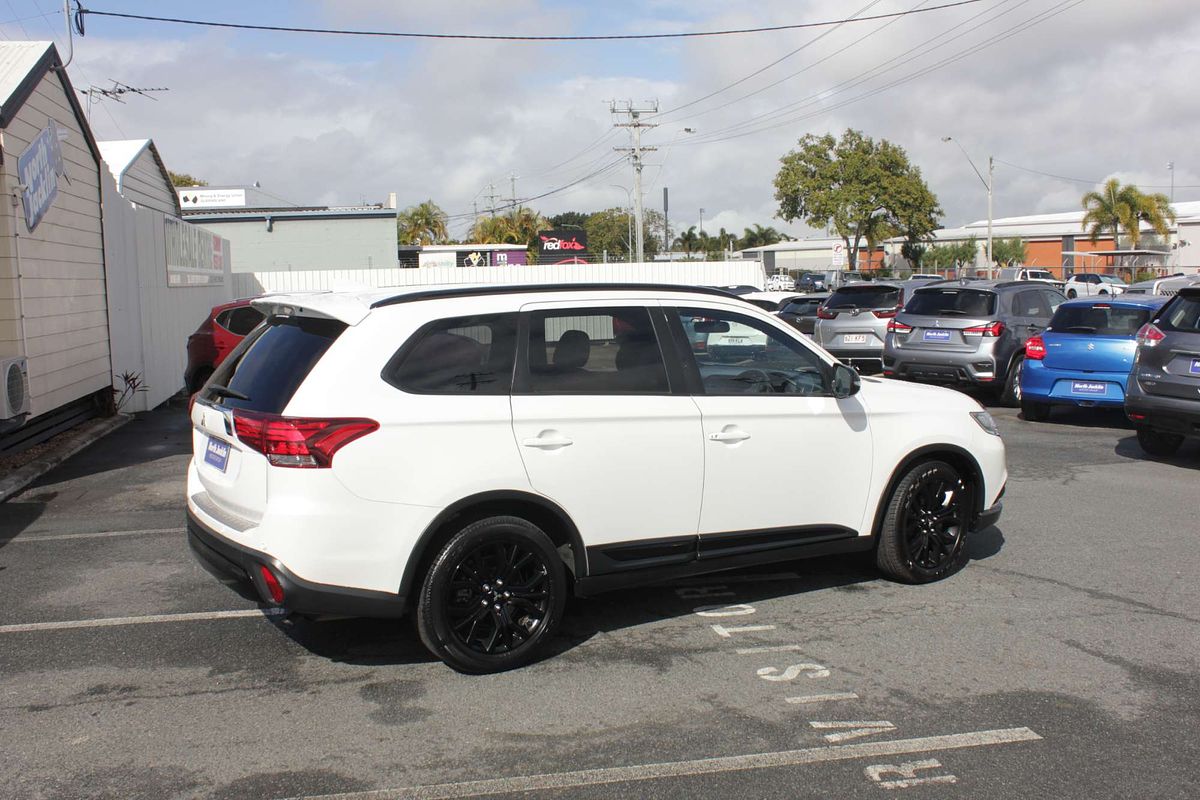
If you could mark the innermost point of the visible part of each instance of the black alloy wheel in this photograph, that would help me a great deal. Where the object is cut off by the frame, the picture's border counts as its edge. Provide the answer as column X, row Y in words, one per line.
column 926, row 524
column 492, row 596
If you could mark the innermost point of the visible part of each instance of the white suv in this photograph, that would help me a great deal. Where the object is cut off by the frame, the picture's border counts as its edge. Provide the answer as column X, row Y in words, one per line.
column 474, row 454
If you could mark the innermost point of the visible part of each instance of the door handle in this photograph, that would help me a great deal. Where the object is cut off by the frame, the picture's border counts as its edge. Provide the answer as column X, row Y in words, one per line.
column 547, row 442
column 729, row 436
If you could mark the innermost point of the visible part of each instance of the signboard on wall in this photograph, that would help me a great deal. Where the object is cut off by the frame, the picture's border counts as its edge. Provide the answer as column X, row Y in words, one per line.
column 212, row 198
column 195, row 257
column 562, row 247
column 38, row 168
column 438, row 258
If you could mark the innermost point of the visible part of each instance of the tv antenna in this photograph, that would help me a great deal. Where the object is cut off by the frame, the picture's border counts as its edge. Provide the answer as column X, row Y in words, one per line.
column 117, row 92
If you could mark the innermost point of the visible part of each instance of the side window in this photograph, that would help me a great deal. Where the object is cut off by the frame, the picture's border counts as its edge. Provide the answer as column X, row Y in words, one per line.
column 1031, row 304
column 240, row 321
column 1054, row 300
column 595, row 351
column 460, row 355
column 737, row 354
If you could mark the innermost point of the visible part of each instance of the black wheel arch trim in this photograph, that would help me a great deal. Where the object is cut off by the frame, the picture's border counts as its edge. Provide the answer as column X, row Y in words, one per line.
column 420, row 554
column 906, row 463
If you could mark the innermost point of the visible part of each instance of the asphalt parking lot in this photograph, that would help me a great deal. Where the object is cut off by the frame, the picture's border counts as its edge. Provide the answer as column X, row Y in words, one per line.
column 1063, row 661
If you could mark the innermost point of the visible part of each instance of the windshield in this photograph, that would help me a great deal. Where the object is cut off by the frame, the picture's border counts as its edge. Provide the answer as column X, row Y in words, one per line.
column 865, row 297
column 1100, row 319
column 1039, row 274
column 1112, row 279
column 952, row 302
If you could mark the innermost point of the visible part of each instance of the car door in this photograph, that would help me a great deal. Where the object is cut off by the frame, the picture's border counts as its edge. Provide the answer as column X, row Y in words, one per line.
column 785, row 462
column 1031, row 313
column 606, row 434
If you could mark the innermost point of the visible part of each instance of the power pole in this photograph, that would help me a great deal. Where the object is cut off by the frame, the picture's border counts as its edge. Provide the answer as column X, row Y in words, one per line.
column 991, row 174
column 635, row 126
column 512, row 180
column 666, row 226
column 491, row 198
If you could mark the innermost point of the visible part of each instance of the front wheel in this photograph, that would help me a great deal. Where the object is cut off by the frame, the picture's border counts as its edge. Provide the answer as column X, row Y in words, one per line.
column 1072, row 294
column 925, row 524
column 1157, row 443
column 493, row 596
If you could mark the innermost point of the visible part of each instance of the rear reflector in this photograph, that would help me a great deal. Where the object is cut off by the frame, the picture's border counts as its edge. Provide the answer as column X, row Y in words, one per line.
column 1137, row 417
column 298, row 441
column 273, row 587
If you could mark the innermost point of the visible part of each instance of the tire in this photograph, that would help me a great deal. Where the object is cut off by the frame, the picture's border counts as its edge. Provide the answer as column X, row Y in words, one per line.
column 1035, row 412
column 1157, row 443
column 1072, row 294
column 922, row 538
column 1010, row 395
column 466, row 615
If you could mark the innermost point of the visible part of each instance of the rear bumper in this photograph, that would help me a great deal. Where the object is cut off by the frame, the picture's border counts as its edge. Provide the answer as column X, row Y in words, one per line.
column 235, row 564
column 1167, row 414
column 1056, row 386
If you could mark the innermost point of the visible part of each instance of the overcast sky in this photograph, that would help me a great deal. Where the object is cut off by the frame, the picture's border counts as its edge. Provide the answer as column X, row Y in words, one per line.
column 1083, row 89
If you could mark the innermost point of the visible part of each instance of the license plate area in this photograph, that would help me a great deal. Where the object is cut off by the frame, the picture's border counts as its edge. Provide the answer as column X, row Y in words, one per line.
column 854, row 338
column 1194, row 367
column 936, row 336
column 1091, row 388
column 216, row 454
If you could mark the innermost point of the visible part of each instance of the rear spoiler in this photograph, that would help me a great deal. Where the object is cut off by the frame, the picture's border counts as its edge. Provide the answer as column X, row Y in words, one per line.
column 321, row 305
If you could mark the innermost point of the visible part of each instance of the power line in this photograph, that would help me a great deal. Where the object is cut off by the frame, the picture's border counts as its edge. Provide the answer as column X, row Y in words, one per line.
column 513, row 38
column 522, row 201
column 1085, row 180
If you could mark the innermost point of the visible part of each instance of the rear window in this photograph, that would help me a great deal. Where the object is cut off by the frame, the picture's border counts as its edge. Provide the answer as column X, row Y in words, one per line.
column 803, row 307
column 865, row 297
column 1182, row 314
column 1100, row 319
column 952, row 302
column 765, row 305
column 265, row 371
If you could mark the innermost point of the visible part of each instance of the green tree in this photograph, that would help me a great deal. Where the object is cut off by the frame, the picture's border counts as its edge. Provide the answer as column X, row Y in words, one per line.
column 914, row 253
column 758, row 236
column 182, row 180
column 1008, row 251
column 424, row 223
column 947, row 256
column 866, row 191
column 689, row 240
column 608, row 232
column 1116, row 207
column 568, row 219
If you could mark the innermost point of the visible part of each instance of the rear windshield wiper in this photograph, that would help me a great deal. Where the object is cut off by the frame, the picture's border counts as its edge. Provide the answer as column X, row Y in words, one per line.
column 225, row 391
column 951, row 312
column 1081, row 329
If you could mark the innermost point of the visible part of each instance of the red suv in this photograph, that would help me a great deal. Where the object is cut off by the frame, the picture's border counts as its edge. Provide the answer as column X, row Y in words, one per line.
column 225, row 326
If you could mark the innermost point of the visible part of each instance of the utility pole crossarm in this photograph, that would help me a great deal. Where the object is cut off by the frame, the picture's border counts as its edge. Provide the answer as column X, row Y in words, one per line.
column 635, row 126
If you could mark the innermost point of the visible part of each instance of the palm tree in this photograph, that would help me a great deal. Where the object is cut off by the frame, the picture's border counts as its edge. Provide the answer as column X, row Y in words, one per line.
column 1155, row 210
column 424, row 223
column 760, row 236
column 688, row 240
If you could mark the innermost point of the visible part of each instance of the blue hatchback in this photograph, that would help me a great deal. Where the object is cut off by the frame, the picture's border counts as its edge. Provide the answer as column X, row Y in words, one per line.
column 1084, row 356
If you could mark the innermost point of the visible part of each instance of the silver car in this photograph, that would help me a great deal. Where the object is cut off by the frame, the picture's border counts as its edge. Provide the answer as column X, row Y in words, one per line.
column 852, row 324
column 970, row 333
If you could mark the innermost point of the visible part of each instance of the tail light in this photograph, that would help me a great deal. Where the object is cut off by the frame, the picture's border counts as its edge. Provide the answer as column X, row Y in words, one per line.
column 1035, row 349
column 887, row 313
column 991, row 330
column 1149, row 335
column 895, row 326
column 824, row 313
column 298, row 441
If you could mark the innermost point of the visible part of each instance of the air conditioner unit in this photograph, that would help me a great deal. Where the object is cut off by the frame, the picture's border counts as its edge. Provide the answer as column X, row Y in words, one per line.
column 14, row 388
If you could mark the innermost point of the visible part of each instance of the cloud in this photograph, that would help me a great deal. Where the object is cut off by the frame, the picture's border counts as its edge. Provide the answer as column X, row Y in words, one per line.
column 1100, row 89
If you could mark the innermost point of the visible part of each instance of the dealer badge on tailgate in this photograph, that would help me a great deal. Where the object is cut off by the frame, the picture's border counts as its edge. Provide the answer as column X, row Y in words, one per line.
column 217, row 454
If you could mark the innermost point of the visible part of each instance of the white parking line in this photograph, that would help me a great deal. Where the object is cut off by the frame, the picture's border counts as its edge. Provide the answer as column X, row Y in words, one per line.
column 703, row 766
column 96, row 535
column 109, row 622
column 821, row 698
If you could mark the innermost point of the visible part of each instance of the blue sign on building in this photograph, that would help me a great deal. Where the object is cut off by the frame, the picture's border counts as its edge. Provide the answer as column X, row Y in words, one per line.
column 38, row 168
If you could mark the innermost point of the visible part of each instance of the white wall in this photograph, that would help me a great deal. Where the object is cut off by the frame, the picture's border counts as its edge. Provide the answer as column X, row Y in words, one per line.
column 149, row 320
column 690, row 273
column 59, row 281
column 309, row 243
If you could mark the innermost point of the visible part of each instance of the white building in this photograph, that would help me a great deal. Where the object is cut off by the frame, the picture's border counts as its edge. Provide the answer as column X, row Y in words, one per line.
column 141, row 176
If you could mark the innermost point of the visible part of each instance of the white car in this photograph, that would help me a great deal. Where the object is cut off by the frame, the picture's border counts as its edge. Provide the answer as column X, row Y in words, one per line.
column 472, row 454
column 1086, row 284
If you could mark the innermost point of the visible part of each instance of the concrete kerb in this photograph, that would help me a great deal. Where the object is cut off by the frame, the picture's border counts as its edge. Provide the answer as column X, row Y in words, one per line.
column 87, row 434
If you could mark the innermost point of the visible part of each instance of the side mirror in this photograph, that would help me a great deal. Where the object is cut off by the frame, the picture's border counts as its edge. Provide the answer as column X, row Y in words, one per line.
column 845, row 381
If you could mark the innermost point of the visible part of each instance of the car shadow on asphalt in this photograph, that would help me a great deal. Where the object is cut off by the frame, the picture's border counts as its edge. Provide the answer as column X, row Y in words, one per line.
column 371, row 642
column 1187, row 457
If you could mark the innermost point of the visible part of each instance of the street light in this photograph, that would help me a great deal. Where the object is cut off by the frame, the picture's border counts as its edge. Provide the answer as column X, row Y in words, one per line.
column 988, row 185
column 628, row 218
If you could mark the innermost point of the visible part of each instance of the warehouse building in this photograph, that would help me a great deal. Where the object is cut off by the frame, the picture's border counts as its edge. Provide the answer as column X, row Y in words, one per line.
column 271, row 234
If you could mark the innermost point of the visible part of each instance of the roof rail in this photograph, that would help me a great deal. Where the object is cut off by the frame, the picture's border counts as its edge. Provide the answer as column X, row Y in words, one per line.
column 470, row 291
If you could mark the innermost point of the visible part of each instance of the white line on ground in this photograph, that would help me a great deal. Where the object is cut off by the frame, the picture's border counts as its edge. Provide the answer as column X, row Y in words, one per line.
column 821, row 698
column 775, row 648
column 108, row 622
column 95, row 535
column 703, row 766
